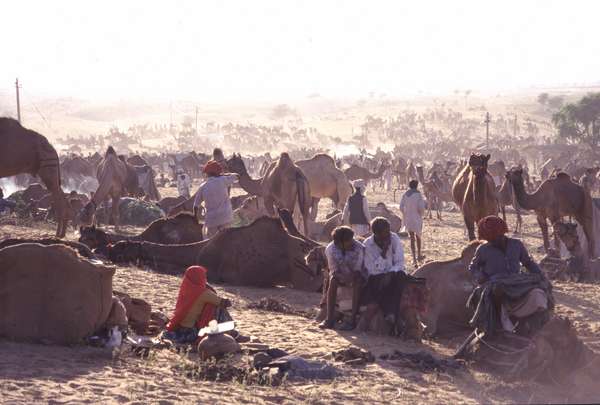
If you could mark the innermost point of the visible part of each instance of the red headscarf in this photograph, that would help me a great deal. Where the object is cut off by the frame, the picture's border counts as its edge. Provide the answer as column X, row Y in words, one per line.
column 491, row 228
column 193, row 284
column 213, row 168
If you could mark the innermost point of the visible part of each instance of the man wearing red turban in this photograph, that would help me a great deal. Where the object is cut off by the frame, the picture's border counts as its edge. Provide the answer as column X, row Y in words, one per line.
column 196, row 306
column 497, row 264
column 214, row 192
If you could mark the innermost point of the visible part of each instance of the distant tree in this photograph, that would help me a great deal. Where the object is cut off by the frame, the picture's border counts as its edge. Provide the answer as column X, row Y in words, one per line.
column 281, row 111
column 580, row 122
column 556, row 102
column 543, row 98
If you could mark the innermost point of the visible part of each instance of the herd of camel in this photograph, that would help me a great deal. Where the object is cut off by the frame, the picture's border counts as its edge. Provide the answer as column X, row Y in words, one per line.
column 270, row 250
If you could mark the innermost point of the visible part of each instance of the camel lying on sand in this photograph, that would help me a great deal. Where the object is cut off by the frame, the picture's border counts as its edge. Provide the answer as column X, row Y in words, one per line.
column 82, row 249
column 450, row 285
column 474, row 191
column 261, row 254
column 579, row 266
column 27, row 151
column 40, row 303
column 180, row 229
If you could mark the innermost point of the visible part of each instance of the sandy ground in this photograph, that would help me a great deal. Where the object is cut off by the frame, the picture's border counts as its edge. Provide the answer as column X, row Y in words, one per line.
column 37, row 373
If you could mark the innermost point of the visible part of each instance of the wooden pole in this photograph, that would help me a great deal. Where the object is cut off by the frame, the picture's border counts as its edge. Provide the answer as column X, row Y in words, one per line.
column 18, row 101
column 487, row 130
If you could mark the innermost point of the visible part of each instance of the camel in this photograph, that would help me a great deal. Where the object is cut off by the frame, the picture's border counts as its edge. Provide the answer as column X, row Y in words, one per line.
column 137, row 160
column 265, row 255
column 475, row 193
column 251, row 209
column 80, row 248
column 26, row 151
column 284, row 185
column 112, row 174
column 66, row 297
column 579, row 265
column 433, row 194
column 506, row 196
column 325, row 181
column 355, row 172
column 556, row 197
column 167, row 203
column 177, row 230
column 450, row 285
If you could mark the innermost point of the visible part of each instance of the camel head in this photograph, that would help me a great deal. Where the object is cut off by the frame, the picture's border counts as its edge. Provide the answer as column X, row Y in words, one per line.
column 567, row 233
column 110, row 151
column 479, row 163
column 316, row 260
column 468, row 251
column 125, row 252
column 93, row 237
column 515, row 176
column 236, row 165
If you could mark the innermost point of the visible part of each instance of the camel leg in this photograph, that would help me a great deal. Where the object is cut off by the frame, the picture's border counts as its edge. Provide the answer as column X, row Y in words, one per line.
column 115, row 212
column 470, row 224
column 51, row 180
column 503, row 209
column 314, row 209
column 544, row 227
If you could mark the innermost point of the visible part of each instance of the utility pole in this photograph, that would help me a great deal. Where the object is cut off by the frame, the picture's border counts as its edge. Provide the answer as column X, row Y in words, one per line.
column 18, row 101
column 487, row 130
column 515, row 129
column 196, row 121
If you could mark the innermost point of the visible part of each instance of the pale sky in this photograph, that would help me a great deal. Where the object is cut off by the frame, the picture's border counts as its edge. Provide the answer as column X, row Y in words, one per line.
column 278, row 50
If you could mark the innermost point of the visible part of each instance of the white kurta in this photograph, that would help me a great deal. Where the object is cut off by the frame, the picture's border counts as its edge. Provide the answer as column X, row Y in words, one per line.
column 413, row 208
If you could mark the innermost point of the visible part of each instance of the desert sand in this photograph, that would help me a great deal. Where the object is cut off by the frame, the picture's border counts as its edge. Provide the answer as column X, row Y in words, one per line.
column 39, row 373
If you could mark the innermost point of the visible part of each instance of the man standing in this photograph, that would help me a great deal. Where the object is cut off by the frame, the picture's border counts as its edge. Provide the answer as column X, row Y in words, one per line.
column 356, row 211
column 183, row 184
column 384, row 263
column 214, row 193
column 345, row 263
column 412, row 206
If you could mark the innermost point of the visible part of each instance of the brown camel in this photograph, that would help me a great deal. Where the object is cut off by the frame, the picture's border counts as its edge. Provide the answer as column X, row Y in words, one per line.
column 65, row 299
column 284, row 185
column 450, row 285
column 265, row 256
column 76, row 167
column 356, row 172
column 326, row 181
column 26, row 151
column 557, row 197
column 112, row 175
column 506, row 196
column 177, row 230
column 475, row 193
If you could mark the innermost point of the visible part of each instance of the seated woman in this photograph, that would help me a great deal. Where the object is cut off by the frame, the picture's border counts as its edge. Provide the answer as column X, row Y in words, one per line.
column 497, row 264
column 345, row 264
column 197, row 305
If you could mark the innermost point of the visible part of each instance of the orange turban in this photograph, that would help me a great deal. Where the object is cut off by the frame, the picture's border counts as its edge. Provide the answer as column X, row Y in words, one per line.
column 491, row 228
column 213, row 168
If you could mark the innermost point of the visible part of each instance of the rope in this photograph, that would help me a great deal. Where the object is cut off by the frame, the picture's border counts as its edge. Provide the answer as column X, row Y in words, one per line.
column 509, row 353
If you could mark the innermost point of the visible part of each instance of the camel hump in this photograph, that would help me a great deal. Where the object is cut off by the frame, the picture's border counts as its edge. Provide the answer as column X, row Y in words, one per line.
column 110, row 151
column 563, row 176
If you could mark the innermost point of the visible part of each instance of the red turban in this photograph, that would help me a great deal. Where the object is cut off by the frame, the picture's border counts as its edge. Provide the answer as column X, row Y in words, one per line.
column 193, row 284
column 213, row 168
column 491, row 228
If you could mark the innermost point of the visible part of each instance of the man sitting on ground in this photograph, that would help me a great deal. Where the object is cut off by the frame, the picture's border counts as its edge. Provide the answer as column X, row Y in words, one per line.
column 197, row 305
column 496, row 267
column 384, row 263
column 345, row 263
